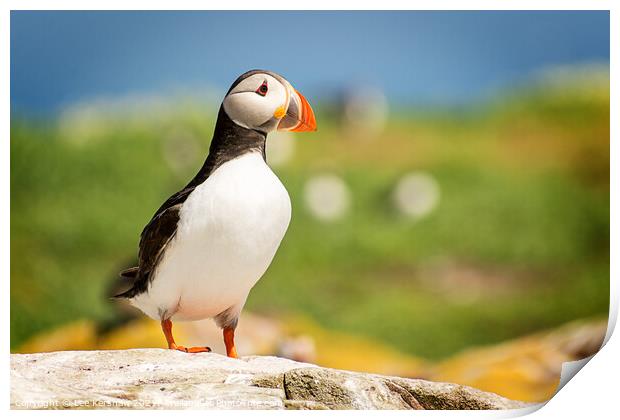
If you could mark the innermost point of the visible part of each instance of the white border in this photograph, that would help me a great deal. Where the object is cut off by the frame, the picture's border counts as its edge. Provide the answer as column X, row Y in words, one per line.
column 593, row 393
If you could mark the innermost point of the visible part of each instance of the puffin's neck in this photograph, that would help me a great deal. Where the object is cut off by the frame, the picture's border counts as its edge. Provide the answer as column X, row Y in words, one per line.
column 229, row 142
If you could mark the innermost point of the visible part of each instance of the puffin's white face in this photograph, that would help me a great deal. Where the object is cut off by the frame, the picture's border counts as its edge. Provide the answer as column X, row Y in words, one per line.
column 265, row 103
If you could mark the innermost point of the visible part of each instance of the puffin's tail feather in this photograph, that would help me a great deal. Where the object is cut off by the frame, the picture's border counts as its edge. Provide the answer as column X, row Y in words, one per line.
column 128, row 294
column 129, row 273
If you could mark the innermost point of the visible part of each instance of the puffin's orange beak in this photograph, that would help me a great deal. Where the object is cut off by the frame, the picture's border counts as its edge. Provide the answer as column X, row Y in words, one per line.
column 299, row 116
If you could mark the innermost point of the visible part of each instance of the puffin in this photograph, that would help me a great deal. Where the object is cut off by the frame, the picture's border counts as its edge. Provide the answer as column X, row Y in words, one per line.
column 210, row 242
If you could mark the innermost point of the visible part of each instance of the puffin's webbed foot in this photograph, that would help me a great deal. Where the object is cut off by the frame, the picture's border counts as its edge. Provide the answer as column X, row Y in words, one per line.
column 190, row 349
column 166, row 326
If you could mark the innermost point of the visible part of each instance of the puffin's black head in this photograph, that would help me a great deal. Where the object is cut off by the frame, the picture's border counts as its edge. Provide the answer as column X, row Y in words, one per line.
column 264, row 101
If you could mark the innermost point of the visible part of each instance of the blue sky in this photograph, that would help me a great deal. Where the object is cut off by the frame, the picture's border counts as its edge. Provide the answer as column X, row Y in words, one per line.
column 417, row 57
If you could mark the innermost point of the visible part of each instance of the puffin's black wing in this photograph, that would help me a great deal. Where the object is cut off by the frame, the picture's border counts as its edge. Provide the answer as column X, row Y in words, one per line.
column 153, row 240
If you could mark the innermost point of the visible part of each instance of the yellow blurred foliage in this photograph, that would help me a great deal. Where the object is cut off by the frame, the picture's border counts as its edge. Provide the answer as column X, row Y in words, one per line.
column 82, row 335
column 526, row 369
column 344, row 351
column 79, row 335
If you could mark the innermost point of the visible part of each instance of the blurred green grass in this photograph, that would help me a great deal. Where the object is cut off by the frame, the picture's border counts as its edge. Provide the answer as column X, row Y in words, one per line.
column 524, row 212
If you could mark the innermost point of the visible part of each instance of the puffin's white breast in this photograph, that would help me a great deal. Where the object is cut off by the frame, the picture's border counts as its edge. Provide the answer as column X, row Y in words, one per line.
column 229, row 229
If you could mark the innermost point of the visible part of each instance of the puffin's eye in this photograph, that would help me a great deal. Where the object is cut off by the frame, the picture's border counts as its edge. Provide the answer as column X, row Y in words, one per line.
column 262, row 90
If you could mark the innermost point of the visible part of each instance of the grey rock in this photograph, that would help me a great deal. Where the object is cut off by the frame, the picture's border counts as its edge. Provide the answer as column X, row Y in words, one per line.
column 156, row 378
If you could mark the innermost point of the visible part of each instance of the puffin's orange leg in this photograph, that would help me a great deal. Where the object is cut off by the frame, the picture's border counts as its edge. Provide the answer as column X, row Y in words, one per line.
column 166, row 327
column 229, row 341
